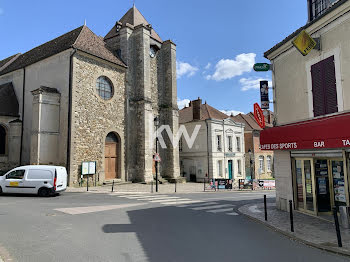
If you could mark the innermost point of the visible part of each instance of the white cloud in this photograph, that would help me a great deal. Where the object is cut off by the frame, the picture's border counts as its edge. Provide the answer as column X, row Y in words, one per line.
column 228, row 68
column 252, row 83
column 207, row 66
column 231, row 112
column 182, row 103
column 185, row 69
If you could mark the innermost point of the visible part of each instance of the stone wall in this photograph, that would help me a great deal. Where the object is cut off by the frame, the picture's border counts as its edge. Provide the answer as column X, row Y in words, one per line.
column 93, row 117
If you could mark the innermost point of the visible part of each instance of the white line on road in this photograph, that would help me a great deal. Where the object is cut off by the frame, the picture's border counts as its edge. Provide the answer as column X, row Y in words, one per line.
column 211, row 207
column 220, row 210
column 182, row 202
column 92, row 209
column 232, row 214
column 198, row 205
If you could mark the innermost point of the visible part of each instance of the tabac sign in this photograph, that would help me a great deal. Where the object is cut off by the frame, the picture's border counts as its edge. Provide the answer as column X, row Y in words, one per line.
column 304, row 43
column 259, row 116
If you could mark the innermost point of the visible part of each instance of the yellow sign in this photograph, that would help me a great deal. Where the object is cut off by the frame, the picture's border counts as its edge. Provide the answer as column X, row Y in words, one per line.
column 304, row 43
column 13, row 183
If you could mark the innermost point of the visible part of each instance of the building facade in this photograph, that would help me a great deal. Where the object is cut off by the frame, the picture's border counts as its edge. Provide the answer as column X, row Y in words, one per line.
column 218, row 151
column 258, row 163
column 81, row 97
column 312, row 103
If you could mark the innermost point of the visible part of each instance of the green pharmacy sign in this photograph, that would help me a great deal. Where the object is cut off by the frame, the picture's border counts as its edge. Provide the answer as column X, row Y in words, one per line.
column 262, row 67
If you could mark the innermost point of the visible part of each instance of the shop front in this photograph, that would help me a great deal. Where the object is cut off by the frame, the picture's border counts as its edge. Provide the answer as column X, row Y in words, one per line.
column 319, row 154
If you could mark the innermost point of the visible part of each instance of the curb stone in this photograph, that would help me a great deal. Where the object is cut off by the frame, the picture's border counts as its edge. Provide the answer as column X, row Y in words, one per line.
column 293, row 237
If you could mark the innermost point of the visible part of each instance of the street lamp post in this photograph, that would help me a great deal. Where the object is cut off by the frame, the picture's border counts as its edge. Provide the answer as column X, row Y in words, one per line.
column 156, row 124
column 250, row 163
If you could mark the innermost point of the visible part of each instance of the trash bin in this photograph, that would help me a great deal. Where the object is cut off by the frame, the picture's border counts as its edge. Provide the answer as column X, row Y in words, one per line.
column 344, row 216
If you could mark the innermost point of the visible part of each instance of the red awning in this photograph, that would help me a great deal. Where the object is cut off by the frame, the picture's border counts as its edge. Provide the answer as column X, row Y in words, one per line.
column 327, row 132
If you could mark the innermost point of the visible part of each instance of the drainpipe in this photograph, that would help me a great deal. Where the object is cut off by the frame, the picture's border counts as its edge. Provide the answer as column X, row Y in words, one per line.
column 208, row 156
column 70, row 113
column 23, row 100
column 224, row 144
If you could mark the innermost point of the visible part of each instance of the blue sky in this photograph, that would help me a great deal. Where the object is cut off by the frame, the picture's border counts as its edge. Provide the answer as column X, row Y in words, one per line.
column 217, row 41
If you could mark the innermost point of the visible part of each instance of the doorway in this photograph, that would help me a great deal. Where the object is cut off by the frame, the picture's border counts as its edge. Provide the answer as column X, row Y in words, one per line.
column 111, row 157
column 230, row 169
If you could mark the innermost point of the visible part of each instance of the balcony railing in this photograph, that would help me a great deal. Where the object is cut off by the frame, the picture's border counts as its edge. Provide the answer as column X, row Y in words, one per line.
column 319, row 7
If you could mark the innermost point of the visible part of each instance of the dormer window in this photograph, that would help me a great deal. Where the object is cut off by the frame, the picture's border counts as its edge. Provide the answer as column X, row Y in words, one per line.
column 319, row 7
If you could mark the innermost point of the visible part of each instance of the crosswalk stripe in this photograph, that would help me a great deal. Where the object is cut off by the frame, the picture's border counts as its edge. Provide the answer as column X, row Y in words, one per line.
column 181, row 202
column 220, row 210
column 93, row 209
column 210, row 207
column 199, row 204
column 169, row 199
column 232, row 214
column 144, row 197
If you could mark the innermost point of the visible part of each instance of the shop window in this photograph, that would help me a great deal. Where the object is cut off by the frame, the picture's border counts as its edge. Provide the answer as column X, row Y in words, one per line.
column 220, row 168
column 261, row 164
column 3, row 138
column 324, row 88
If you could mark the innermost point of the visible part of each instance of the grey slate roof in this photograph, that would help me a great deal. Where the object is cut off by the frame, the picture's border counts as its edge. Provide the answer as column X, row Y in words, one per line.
column 291, row 36
column 134, row 18
column 8, row 100
column 5, row 62
column 81, row 38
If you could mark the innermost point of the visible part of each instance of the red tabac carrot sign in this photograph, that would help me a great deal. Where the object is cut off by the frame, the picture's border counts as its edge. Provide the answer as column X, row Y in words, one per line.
column 259, row 116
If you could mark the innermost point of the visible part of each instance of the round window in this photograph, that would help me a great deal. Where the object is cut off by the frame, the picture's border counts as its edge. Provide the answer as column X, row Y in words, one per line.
column 104, row 88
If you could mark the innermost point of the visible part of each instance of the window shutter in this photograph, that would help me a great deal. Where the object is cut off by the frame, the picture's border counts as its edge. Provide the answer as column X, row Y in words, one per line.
column 324, row 88
column 317, row 90
column 330, row 86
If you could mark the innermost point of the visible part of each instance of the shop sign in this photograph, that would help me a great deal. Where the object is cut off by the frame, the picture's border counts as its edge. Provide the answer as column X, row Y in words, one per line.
column 304, row 43
column 259, row 116
column 264, row 94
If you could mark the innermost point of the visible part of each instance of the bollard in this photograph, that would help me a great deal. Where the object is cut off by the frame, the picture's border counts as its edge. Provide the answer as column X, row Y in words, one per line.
column 87, row 183
column 175, row 186
column 113, row 186
column 152, row 187
column 95, row 180
column 337, row 229
column 291, row 216
column 204, row 184
column 265, row 208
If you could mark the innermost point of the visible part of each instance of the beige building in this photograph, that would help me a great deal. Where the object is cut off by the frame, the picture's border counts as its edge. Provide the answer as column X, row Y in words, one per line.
column 82, row 97
column 257, row 162
column 312, row 103
column 218, row 151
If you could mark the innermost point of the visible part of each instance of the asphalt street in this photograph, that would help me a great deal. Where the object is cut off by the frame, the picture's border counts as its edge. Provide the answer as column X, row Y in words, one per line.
column 143, row 227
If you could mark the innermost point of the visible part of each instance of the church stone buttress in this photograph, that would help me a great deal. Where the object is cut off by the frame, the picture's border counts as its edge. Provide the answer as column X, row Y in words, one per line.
column 150, row 91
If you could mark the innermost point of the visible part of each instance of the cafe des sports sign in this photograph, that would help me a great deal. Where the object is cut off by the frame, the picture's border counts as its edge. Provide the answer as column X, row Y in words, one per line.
column 321, row 133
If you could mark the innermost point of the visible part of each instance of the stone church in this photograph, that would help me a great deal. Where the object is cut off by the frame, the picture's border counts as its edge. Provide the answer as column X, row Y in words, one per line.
column 83, row 97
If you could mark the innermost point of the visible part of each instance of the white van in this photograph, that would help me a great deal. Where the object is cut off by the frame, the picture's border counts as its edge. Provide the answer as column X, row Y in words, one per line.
column 41, row 180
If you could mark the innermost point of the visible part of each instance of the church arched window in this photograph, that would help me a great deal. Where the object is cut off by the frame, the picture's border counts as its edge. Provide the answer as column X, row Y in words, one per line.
column 104, row 87
column 3, row 138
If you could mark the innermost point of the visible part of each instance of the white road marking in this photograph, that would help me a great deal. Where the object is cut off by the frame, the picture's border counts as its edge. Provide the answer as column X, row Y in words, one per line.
column 220, row 210
column 232, row 214
column 211, row 207
column 198, row 205
column 92, row 209
column 169, row 199
column 181, row 202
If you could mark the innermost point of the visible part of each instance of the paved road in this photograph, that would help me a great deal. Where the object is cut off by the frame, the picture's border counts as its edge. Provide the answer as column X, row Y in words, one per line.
column 126, row 227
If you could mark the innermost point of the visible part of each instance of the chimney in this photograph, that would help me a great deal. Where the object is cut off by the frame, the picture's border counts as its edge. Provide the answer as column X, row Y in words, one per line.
column 196, row 104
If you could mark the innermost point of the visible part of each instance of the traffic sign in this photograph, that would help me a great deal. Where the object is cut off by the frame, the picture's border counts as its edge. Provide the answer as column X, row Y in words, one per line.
column 157, row 158
column 262, row 67
column 304, row 43
column 259, row 116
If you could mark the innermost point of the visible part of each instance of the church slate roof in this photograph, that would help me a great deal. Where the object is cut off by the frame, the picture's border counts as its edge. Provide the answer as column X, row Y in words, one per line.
column 207, row 112
column 8, row 100
column 134, row 18
column 81, row 38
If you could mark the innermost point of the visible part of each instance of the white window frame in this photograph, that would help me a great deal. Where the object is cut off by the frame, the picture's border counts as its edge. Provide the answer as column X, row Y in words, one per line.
column 268, row 163
column 219, row 168
column 262, row 163
column 218, row 143
column 239, row 167
column 336, row 53
column 238, row 144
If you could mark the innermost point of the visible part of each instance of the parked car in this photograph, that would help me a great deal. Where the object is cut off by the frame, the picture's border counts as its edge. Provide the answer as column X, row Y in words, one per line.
column 41, row 180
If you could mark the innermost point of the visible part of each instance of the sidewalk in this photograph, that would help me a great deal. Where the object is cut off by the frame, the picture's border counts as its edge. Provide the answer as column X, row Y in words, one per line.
column 319, row 233
column 147, row 188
